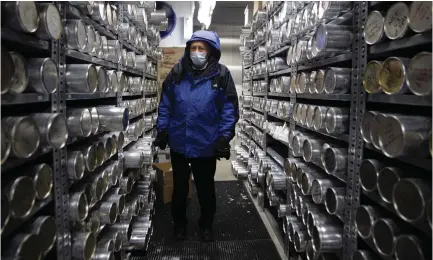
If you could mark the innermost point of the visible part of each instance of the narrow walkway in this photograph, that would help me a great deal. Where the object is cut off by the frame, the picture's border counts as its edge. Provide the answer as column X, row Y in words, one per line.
column 239, row 231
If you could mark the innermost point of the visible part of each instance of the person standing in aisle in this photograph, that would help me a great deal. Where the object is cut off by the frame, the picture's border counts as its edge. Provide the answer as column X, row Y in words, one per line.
column 198, row 112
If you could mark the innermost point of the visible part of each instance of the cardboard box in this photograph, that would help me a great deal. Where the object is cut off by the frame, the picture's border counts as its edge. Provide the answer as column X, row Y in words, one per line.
column 164, row 182
column 172, row 54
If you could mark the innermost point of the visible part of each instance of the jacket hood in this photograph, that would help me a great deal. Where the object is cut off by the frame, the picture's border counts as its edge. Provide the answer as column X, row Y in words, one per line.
column 210, row 37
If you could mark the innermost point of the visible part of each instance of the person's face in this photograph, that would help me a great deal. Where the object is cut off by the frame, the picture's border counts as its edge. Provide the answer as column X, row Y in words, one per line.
column 199, row 47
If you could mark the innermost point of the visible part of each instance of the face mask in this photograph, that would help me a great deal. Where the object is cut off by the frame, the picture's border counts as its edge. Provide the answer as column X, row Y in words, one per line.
column 198, row 58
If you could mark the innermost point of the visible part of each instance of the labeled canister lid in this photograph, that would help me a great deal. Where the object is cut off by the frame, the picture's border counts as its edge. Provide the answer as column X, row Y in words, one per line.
column 396, row 22
column 420, row 16
column 370, row 78
column 373, row 29
column 392, row 75
column 419, row 74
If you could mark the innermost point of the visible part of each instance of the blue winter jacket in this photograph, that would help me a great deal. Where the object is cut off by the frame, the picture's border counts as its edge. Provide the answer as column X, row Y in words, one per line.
column 194, row 112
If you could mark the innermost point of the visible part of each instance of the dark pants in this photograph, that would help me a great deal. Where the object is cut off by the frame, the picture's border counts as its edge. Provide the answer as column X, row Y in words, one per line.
column 203, row 170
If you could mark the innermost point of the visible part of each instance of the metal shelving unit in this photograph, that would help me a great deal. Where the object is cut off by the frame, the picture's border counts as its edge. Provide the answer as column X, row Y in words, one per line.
column 357, row 102
column 58, row 202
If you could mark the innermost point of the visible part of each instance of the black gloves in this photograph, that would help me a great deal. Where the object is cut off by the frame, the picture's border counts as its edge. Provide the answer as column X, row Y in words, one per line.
column 161, row 140
column 222, row 148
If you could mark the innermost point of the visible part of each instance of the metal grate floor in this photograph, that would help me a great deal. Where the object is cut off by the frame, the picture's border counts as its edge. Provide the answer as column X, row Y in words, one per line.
column 239, row 231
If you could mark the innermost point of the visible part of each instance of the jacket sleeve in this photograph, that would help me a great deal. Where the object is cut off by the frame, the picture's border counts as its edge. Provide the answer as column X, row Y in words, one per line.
column 229, row 114
column 164, row 109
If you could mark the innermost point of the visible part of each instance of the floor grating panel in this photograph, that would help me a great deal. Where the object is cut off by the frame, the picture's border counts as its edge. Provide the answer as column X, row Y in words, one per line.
column 239, row 232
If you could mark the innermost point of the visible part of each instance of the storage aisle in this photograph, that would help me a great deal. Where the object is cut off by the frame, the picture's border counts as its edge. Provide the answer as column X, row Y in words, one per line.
column 239, row 232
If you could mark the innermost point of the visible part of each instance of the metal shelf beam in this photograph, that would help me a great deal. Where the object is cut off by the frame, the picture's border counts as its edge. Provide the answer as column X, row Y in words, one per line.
column 412, row 100
column 406, row 42
column 23, row 98
column 24, row 39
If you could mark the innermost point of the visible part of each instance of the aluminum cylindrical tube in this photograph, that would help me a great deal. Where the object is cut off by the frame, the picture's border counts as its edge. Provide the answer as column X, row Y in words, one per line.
column 337, row 120
column 20, row 77
column 385, row 232
column 319, row 82
column 24, row 16
column 418, row 77
column 366, row 125
column 21, row 196
column 337, row 80
column 396, row 22
column 369, row 173
column 81, row 78
column 101, row 254
column 107, row 212
column 78, row 206
column 108, row 145
column 119, row 200
column 319, row 188
column 102, row 79
column 410, row 197
column 125, row 184
column 91, row 47
column 370, row 77
column 364, row 255
column 419, row 15
column 113, row 118
column 365, row 218
column 106, row 245
column 112, row 51
column 42, row 180
column 300, row 240
column 79, row 122
column 403, row 134
column 376, row 126
column 52, row 128
column 318, row 218
column 83, row 245
column 94, row 120
column 113, row 81
column 334, row 200
column 331, row 38
column 89, row 153
column 312, row 150
column 373, row 29
column 100, row 153
column 45, row 228
column 334, row 159
column 409, row 247
column 24, row 135
column 133, row 159
column 50, row 24
column 386, row 180
column 5, row 212
column 112, row 234
column 99, row 52
column 319, row 118
column 307, row 179
column 327, row 238
column 392, row 75
column 43, row 75
column 293, row 226
column 76, row 35
column 22, row 245
column 5, row 145
column 309, row 122
column 130, row 59
column 7, row 70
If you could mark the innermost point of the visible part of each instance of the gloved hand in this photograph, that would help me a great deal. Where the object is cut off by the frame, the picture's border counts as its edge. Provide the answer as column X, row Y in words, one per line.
column 222, row 148
column 161, row 140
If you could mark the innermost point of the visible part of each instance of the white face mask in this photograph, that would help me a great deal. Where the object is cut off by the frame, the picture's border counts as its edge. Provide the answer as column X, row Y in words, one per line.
column 198, row 58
